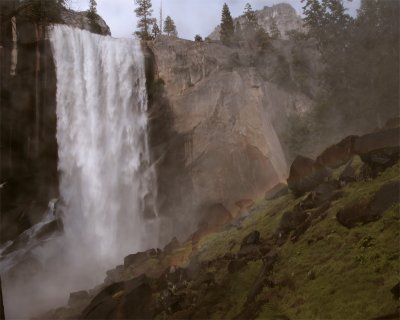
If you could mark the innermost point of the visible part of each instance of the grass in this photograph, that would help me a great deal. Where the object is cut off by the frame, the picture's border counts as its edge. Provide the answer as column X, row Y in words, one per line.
column 354, row 268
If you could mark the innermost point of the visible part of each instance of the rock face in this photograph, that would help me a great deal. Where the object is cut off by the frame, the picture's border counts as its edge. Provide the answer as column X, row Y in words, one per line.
column 282, row 14
column 224, row 104
column 28, row 168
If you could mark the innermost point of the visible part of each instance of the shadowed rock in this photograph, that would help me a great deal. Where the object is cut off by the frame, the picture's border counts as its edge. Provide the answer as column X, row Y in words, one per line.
column 364, row 212
column 338, row 154
column 379, row 149
column 130, row 299
column 305, row 174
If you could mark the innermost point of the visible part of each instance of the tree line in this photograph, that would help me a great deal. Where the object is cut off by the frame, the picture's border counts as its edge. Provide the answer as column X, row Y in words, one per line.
column 148, row 26
column 361, row 58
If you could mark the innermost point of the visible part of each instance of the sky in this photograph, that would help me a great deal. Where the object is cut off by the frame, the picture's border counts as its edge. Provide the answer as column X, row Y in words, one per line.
column 191, row 16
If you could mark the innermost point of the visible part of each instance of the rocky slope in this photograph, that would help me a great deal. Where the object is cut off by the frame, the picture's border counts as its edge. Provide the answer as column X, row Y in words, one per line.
column 328, row 251
column 282, row 14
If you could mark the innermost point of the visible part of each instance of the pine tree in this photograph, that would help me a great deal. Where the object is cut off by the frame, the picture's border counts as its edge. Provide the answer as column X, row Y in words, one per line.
column 227, row 28
column 143, row 12
column 249, row 14
column 169, row 27
column 198, row 38
column 155, row 31
column 92, row 13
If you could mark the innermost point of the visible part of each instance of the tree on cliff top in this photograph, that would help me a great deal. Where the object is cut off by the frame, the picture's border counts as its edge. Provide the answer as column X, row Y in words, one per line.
column 227, row 27
column 92, row 12
column 169, row 27
column 155, row 31
column 143, row 12
column 249, row 14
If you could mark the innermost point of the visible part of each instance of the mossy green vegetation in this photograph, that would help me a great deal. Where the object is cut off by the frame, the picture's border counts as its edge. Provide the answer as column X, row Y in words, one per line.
column 331, row 272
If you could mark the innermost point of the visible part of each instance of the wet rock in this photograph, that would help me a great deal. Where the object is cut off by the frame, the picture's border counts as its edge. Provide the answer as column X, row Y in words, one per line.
column 251, row 239
column 236, row 265
column 396, row 291
column 349, row 174
column 365, row 212
column 338, row 154
column 140, row 257
column 380, row 149
column 277, row 191
column 130, row 299
column 305, row 174
column 291, row 220
column 78, row 298
column 386, row 196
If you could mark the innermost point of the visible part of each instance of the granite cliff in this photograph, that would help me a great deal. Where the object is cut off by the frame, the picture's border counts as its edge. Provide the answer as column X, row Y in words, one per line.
column 229, row 106
column 282, row 15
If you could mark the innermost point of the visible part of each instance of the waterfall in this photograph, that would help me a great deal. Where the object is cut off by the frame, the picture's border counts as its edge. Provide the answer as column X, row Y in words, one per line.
column 106, row 181
column 102, row 141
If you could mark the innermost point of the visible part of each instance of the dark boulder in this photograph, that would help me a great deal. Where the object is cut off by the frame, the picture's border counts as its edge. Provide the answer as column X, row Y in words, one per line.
column 291, row 220
column 338, row 154
column 277, row 191
column 348, row 174
column 379, row 149
column 305, row 174
column 140, row 257
column 396, row 291
column 365, row 212
column 236, row 265
column 387, row 196
column 78, row 298
column 251, row 239
column 130, row 299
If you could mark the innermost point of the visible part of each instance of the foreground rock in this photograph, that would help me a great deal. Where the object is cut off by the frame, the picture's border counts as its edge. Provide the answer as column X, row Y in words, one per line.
column 305, row 174
column 379, row 150
column 131, row 299
column 365, row 212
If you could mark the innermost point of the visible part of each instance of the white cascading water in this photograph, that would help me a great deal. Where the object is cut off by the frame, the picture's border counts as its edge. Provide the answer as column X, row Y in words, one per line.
column 102, row 141
column 106, row 181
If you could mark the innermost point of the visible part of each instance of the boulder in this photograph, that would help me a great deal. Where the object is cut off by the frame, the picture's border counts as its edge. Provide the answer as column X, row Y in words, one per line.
column 291, row 220
column 379, row 149
column 365, row 212
column 130, row 299
column 277, row 191
column 396, row 291
column 305, row 174
column 251, row 239
column 78, row 298
column 348, row 174
column 140, row 257
column 236, row 265
column 338, row 154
